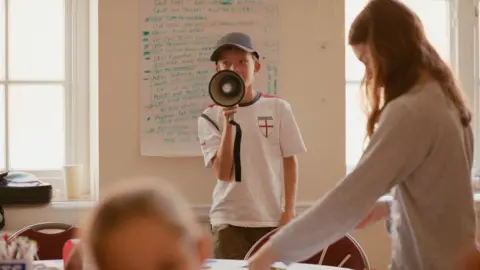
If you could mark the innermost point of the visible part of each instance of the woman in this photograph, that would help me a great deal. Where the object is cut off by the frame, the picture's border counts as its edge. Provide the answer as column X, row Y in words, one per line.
column 420, row 148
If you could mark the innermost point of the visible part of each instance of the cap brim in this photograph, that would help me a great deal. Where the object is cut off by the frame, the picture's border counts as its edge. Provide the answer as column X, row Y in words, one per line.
column 216, row 53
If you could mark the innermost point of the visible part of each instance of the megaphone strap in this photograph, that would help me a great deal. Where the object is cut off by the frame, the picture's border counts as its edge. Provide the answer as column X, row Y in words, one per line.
column 204, row 116
column 236, row 151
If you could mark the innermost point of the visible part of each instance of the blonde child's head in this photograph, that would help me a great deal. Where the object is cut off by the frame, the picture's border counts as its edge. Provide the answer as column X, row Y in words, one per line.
column 145, row 225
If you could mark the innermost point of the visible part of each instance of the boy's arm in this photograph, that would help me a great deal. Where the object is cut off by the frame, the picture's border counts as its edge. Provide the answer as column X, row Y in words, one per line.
column 223, row 161
column 290, row 183
column 217, row 150
column 291, row 143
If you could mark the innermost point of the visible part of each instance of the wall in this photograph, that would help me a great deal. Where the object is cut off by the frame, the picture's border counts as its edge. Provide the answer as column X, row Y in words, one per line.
column 313, row 81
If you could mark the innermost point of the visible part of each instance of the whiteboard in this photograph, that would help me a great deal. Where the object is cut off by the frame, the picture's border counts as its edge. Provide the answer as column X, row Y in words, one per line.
column 177, row 38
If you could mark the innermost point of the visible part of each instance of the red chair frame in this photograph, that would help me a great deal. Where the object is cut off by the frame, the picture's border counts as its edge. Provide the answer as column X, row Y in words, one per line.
column 50, row 245
column 347, row 248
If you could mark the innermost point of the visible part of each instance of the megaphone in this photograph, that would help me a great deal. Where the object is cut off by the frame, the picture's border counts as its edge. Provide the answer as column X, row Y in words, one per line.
column 226, row 89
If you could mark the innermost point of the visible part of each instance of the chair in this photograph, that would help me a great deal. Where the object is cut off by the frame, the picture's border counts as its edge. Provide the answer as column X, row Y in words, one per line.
column 50, row 244
column 346, row 251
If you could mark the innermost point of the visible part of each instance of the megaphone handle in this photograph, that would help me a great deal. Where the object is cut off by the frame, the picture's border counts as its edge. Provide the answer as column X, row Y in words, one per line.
column 231, row 118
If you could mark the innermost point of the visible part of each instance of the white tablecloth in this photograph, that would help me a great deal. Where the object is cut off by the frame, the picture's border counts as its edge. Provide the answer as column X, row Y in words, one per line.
column 212, row 264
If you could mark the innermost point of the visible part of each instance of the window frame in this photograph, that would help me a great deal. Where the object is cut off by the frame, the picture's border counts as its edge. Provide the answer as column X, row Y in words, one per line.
column 474, row 94
column 76, row 84
column 464, row 52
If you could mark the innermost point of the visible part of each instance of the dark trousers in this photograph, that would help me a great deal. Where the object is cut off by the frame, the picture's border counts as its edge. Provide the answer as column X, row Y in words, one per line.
column 233, row 242
column 2, row 218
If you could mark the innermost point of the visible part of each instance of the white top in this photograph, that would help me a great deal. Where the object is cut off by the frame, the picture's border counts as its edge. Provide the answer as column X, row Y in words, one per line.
column 269, row 133
column 421, row 150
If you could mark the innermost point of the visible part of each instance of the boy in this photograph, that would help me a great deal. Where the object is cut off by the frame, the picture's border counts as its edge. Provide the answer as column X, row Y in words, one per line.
column 244, row 211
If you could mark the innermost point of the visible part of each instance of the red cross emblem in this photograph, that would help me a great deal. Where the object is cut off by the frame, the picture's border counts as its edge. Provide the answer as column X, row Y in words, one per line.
column 265, row 123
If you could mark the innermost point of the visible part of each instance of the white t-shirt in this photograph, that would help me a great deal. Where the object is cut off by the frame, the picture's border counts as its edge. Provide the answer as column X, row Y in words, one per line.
column 269, row 133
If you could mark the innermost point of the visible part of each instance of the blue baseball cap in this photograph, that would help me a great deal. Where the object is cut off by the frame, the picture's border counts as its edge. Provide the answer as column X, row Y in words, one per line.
column 235, row 39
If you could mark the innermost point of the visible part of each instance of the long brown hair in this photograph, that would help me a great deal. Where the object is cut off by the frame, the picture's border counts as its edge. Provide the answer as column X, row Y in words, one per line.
column 400, row 52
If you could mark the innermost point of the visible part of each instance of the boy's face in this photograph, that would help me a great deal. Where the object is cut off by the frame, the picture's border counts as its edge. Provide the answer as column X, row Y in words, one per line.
column 240, row 61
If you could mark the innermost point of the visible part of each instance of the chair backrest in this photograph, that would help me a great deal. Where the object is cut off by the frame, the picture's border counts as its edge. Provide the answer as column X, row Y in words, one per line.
column 50, row 244
column 346, row 252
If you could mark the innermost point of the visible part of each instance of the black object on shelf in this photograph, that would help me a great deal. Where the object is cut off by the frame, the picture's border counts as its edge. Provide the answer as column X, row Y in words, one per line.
column 22, row 188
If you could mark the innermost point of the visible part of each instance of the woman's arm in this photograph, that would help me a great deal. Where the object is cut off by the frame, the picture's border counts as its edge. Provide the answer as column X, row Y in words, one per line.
column 397, row 147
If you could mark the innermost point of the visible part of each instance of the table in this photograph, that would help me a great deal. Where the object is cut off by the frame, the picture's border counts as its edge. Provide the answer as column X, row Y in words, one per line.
column 236, row 264
column 48, row 265
column 210, row 264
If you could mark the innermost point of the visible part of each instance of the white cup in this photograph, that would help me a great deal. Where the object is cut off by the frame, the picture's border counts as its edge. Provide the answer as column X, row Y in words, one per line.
column 74, row 181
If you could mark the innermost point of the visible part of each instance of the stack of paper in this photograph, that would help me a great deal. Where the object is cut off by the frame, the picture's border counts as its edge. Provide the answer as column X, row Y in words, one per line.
column 234, row 265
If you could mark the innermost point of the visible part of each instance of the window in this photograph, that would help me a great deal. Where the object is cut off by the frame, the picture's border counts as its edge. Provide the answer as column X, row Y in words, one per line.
column 448, row 26
column 44, row 87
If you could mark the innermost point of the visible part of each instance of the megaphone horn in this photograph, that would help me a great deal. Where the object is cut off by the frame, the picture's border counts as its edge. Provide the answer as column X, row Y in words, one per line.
column 226, row 89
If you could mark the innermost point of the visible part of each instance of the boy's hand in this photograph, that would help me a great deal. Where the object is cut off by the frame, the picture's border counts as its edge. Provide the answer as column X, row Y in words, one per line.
column 287, row 216
column 229, row 111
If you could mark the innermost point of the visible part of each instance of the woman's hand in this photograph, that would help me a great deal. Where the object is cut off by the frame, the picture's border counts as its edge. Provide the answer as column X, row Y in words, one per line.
column 262, row 259
column 380, row 211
